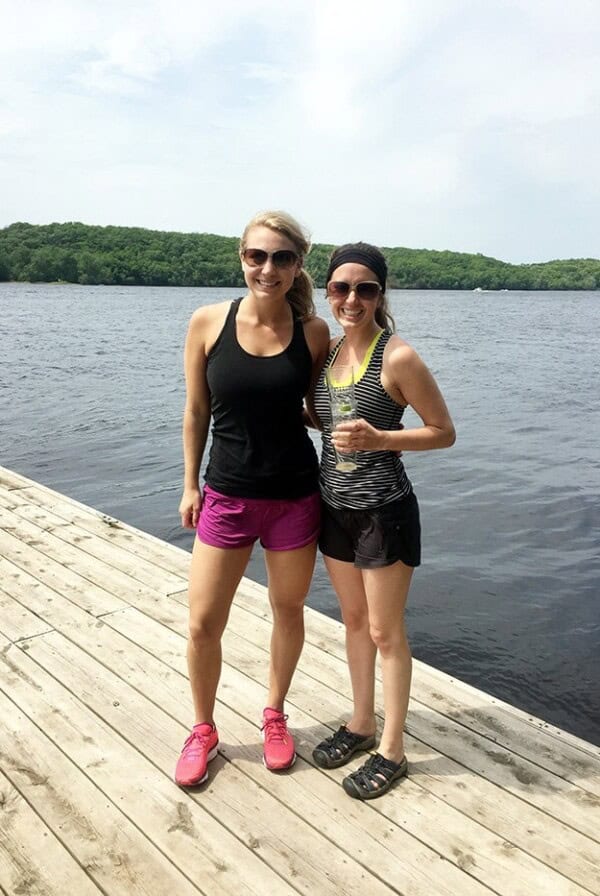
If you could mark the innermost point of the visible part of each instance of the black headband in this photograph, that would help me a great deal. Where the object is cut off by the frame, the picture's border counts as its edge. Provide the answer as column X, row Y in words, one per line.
column 360, row 253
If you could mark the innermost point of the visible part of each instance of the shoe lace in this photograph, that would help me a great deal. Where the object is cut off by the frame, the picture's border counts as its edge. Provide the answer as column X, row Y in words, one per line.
column 338, row 738
column 371, row 771
column 195, row 743
column 275, row 729
column 375, row 772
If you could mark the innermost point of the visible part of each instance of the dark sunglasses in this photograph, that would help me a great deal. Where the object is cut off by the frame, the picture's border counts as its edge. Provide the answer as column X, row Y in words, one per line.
column 282, row 258
column 368, row 290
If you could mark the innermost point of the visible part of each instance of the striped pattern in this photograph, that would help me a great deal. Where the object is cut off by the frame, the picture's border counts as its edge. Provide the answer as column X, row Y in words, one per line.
column 380, row 477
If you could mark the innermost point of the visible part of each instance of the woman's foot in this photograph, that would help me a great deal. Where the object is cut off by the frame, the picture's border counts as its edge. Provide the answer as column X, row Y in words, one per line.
column 340, row 747
column 198, row 750
column 374, row 778
column 279, row 750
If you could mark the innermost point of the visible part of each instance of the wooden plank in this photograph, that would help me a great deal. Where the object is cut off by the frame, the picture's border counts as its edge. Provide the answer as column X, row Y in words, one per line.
column 553, row 843
column 17, row 622
column 543, row 728
column 93, row 831
column 335, row 868
column 163, row 556
column 479, row 714
column 28, row 559
column 10, row 480
column 432, row 822
column 477, row 733
column 490, row 721
column 252, row 596
column 33, row 862
column 486, row 714
column 106, row 550
column 293, row 848
column 98, row 573
column 565, row 761
column 174, row 558
column 529, row 782
column 181, row 829
column 131, row 660
column 547, row 792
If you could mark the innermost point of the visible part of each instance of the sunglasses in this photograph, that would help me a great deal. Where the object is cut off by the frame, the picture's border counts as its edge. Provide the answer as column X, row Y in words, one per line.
column 282, row 258
column 368, row 290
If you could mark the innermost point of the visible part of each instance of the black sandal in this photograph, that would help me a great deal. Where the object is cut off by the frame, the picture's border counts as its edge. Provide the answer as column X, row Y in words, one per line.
column 374, row 778
column 337, row 749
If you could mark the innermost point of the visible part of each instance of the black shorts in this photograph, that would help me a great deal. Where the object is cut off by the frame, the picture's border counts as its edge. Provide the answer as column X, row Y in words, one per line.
column 373, row 538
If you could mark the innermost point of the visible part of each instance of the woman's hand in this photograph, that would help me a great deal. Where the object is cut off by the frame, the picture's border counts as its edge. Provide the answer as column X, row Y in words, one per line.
column 357, row 435
column 189, row 507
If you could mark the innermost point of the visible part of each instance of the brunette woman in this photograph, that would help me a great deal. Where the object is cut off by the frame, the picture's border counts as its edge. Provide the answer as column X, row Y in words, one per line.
column 370, row 535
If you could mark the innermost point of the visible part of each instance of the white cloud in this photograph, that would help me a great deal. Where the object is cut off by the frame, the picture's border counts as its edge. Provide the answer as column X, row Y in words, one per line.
column 416, row 124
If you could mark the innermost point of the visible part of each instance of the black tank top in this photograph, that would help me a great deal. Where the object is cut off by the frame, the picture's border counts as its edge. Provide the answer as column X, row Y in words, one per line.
column 260, row 446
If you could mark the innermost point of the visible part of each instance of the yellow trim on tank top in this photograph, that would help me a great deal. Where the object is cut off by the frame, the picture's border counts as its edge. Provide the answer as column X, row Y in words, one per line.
column 363, row 366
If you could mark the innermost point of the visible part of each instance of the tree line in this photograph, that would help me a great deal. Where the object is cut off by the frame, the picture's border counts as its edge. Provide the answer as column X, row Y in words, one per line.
column 81, row 253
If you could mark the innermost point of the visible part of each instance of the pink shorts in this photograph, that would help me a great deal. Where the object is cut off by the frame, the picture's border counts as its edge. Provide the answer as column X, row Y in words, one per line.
column 281, row 525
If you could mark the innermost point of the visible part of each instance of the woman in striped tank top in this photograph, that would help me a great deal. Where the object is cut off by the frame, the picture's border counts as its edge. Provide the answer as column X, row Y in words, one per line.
column 370, row 531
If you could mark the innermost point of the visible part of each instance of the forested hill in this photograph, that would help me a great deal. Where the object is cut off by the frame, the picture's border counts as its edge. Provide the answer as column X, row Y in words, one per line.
column 80, row 253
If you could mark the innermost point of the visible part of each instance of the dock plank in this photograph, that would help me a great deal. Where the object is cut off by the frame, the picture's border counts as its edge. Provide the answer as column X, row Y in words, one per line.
column 55, row 548
column 472, row 710
column 20, row 490
column 536, row 831
column 17, row 622
column 139, row 665
column 27, row 557
column 252, row 596
column 289, row 789
column 92, row 829
column 182, row 830
column 292, row 847
column 33, row 862
column 576, row 805
column 106, row 550
column 94, row 691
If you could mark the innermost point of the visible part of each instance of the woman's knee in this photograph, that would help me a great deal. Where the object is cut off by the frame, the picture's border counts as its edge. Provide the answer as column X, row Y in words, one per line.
column 355, row 619
column 205, row 628
column 290, row 612
column 389, row 642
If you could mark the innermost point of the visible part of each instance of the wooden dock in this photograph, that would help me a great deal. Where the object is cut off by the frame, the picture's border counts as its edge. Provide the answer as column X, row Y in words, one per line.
column 94, row 708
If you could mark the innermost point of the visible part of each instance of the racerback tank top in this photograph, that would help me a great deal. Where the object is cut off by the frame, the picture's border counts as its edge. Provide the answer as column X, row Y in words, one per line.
column 380, row 477
column 260, row 446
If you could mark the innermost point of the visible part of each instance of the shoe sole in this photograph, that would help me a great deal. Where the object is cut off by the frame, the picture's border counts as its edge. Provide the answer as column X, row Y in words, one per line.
column 326, row 762
column 211, row 755
column 278, row 768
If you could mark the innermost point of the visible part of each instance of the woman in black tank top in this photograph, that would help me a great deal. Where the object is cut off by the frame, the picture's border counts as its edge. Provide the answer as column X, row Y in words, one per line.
column 249, row 366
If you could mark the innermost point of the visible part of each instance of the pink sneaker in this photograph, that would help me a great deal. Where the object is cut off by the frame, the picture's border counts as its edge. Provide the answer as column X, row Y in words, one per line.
column 198, row 750
column 279, row 751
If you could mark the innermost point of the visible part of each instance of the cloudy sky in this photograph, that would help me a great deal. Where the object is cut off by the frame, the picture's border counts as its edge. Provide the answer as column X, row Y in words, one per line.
column 471, row 125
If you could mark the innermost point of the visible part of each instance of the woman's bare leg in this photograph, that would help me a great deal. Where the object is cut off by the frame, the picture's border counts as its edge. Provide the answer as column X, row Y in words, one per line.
column 387, row 591
column 215, row 574
column 289, row 577
column 348, row 584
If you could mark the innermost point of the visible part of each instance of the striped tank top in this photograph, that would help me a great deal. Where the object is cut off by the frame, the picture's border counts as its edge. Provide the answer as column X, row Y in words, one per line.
column 380, row 477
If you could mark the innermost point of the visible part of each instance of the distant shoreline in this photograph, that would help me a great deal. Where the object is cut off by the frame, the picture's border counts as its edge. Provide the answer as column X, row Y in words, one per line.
column 133, row 256
column 204, row 286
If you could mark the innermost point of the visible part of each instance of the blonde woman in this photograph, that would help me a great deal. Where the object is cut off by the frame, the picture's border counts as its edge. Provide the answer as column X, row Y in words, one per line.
column 249, row 366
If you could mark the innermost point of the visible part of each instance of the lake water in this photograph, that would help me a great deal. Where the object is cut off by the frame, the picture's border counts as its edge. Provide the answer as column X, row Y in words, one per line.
column 91, row 396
